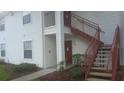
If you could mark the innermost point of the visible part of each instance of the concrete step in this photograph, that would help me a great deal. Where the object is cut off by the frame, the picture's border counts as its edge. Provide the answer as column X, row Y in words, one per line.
column 101, row 74
column 98, row 68
column 100, row 63
column 101, row 58
column 104, row 52
column 104, row 47
column 96, row 79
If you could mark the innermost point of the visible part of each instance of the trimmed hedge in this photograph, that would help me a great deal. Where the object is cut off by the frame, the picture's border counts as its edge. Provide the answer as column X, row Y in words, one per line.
column 25, row 67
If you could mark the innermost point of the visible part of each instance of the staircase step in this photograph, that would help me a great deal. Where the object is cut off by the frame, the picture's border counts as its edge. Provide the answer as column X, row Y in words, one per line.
column 101, row 59
column 105, row 47
column 96, row 79
column 98, row 68
column 99, row 63
column 100, row 74
column 104, row 52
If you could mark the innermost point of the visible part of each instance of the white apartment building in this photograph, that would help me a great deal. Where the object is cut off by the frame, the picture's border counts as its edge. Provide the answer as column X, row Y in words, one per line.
column 42, row 38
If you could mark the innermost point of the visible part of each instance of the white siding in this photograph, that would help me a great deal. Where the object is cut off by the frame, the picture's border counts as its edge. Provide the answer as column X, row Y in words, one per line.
column 50, row 51
column 15, row 33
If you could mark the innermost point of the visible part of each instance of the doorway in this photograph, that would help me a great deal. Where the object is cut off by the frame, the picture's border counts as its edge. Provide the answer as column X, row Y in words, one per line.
column 68, row 52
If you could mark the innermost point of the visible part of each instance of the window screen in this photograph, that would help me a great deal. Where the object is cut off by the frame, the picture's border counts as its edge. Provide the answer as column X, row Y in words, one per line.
column 2, row 27
column 27, row 49
column 2, row 46
column 27, row 18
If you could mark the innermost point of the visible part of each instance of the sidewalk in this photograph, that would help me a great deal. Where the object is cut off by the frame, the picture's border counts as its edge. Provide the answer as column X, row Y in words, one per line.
column 35, row 75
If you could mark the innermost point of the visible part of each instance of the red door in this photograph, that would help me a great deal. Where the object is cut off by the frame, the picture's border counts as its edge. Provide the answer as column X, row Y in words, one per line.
column 68, row 52
column 67, row 18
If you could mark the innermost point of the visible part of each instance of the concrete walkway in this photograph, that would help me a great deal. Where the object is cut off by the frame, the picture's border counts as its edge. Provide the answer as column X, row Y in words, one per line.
column 35, row 75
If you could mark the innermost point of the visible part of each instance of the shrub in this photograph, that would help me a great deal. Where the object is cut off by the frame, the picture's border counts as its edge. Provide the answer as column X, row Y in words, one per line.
column 2, row 61
column 61, row 66
column 76, row 72
column 25, row 67
column 78, row 58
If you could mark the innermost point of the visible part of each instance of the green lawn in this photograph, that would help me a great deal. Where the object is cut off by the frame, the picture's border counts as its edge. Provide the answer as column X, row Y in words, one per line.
column 4, row 75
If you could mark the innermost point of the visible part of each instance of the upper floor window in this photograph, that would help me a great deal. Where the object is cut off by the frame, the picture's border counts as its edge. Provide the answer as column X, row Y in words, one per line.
column 28, row 49
column 49, row 18
column 2, row 27
column 2, row 50
column 27, row 18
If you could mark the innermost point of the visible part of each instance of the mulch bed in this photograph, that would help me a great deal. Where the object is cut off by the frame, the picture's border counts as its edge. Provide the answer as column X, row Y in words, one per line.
column 120, row 75
column 13, row 74
column 66, row 76
column 60, row 76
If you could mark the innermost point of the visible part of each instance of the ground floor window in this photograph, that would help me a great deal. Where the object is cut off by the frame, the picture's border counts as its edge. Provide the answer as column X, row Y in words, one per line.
column 28, row 49
column 2, row 49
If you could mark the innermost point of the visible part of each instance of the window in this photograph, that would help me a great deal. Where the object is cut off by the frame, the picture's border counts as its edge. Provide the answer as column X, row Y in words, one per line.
column 27, row 18
column 28, row 49
column 2, row 48
column 2, row 27
column 49, row 18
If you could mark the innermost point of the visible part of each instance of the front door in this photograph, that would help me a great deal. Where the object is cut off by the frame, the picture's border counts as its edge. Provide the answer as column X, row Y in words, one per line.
column 68, row 52
column 67, row 18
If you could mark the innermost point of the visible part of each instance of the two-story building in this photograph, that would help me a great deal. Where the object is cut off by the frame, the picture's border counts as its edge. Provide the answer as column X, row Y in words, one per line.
column 46, row 38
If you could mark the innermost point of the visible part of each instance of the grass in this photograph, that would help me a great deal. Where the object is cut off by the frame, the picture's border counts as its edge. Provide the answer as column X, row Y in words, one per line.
column 4, row 75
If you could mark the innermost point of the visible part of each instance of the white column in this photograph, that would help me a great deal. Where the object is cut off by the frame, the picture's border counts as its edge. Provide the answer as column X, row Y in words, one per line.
column 43, row 39
column 60, row 37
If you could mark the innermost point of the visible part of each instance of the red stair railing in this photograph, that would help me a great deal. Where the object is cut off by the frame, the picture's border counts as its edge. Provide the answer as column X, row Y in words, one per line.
column 91, row 53
column 115, row 53
column 84, row 25
column 90, row 31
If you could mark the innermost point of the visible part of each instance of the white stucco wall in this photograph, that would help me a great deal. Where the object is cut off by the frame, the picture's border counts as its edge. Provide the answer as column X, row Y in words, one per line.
column 16, row 33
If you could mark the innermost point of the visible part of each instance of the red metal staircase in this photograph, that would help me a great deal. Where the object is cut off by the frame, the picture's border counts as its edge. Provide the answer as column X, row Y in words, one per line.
column 91, row 31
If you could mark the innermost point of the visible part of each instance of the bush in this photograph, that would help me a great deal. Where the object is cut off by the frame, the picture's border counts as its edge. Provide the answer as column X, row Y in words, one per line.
column 78, row 58
column 2, row 61
column 76, row 73
column 25, row 67
column 61, row 66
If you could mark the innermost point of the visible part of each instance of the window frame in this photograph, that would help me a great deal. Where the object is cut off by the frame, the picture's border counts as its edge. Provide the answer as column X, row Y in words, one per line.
column 24, row 23
column 3, row 27
column 28, row 49
column 3, row 50
column 47, row 14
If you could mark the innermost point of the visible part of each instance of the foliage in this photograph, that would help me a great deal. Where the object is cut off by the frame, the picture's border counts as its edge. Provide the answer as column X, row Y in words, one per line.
column 2, row 61
column 61, row 66
column 76, row 72
column 25, row 67
column 78, row 58
column 3, row 73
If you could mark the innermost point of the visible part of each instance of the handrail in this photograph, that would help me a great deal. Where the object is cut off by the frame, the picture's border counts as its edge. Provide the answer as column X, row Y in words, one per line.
column 85, row 20
column 72, row 21
column 115, row 53
column 91, row 52
column 84, row 25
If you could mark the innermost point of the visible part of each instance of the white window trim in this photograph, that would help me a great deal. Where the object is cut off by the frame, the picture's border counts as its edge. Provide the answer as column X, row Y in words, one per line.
column 30, row 18
column 5, row 50
column 28, row 59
